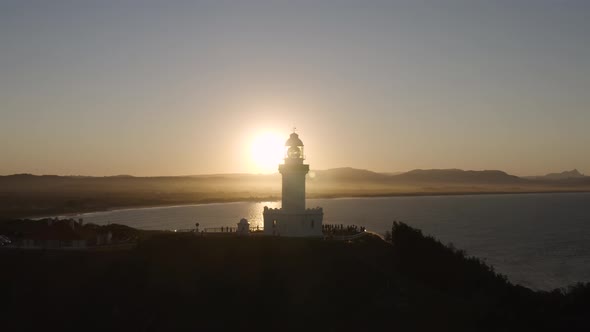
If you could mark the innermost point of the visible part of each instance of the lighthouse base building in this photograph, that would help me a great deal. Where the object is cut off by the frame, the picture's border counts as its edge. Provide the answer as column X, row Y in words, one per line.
column 293, row 219
column 307, row 223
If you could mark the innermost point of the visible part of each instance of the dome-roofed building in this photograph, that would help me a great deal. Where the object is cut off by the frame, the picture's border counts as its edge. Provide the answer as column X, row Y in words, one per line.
column 243, row 227
column 293, row 219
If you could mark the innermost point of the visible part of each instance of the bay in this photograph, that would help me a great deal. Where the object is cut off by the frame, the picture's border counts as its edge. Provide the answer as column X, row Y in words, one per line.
column 541, row 241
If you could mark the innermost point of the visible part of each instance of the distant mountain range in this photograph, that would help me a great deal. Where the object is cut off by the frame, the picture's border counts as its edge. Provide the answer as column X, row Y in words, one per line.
column 444, row 176
column 457, row 176
column 352, row 175
column 417, row 176
column 29, row 195
column 573, row 174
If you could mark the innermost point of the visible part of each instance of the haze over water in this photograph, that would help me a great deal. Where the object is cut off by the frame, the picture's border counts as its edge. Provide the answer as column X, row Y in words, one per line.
column 541, row 241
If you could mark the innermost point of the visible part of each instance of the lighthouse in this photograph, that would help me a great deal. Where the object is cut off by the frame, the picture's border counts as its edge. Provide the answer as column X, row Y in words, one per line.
column 293, row 219
column 293, row 172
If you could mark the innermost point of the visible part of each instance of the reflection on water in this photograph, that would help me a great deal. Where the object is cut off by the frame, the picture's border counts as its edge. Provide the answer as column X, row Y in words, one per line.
column 184, row 216
column 538, row 240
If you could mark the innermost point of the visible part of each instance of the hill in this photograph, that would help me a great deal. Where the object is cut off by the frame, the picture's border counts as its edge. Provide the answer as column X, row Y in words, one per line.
column 349, row 174
column 26, row 195
column 457, row 176
column 565, row 175
column 430, row 176
column 184, row 282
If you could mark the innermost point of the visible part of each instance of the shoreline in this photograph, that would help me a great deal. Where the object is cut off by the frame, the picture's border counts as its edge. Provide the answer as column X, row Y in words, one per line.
column 312, row 196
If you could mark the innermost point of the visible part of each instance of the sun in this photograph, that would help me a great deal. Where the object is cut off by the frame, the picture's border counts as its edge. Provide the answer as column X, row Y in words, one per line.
column 267, row 152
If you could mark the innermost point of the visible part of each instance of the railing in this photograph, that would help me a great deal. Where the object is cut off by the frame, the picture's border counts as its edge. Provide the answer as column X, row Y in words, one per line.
column 185, row 230
column 227, row 229
column 258, row 229
column 223, row 229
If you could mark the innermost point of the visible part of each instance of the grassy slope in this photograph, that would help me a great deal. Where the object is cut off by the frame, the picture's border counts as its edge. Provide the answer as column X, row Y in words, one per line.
column 178, row 281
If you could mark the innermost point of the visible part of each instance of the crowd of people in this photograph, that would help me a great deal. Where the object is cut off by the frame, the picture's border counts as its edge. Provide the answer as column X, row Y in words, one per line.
column 341, row 229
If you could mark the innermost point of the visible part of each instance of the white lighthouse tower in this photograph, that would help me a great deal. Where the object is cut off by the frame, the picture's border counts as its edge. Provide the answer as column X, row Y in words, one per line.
column 293, row 219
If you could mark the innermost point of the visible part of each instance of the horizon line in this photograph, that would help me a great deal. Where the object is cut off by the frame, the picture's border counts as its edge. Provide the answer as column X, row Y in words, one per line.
column 275, row 173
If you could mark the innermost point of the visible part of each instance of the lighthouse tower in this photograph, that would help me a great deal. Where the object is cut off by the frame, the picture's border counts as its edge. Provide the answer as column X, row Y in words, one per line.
column 293, row 219
column 293, row 172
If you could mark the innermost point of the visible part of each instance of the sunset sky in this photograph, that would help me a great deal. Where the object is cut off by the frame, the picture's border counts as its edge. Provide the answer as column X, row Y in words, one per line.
column 189, row 87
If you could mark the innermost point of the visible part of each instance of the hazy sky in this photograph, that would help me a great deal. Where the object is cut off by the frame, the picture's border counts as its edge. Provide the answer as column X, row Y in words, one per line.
column 183, row 87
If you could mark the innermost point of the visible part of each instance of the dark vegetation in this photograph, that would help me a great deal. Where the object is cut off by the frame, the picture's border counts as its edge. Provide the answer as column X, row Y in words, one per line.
column 182, row 281
column 64, row 231
column 27, row 195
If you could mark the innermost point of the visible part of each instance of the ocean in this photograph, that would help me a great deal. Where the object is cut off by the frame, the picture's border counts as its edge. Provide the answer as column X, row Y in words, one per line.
column 541, row 241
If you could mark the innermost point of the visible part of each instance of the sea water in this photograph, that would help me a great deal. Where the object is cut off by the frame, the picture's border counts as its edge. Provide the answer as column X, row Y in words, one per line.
column 541, row 241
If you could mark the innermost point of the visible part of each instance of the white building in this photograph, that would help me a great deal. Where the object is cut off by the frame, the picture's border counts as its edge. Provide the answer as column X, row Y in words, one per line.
column 293, row 219
column 243, row 227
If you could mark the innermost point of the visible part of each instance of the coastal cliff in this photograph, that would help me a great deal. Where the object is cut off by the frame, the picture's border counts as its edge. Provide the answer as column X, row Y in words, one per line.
column 172, row 281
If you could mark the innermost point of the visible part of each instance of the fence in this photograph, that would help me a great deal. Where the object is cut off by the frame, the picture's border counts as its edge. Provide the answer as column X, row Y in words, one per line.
column 226, row 229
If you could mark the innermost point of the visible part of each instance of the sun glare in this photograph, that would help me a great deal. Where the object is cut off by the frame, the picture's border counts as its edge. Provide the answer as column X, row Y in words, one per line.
column 267, row 152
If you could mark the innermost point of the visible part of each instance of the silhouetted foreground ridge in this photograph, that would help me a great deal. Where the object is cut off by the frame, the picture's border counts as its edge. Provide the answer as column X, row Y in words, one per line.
column 181, row 281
